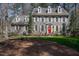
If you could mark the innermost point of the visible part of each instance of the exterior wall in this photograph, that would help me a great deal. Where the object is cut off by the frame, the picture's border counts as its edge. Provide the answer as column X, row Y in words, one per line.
column 55, row 21
column 45, row 22
column 19, row 29
column 19, row 24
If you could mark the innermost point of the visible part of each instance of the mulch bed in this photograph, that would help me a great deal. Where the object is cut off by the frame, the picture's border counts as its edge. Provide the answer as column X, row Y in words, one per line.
column 34, row 48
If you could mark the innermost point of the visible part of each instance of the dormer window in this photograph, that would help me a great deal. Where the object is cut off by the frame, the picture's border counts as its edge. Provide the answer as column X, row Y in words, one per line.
column 59, row 9
column 17, row 19
column 49, row 9
column 39, row 9
column 26, row 18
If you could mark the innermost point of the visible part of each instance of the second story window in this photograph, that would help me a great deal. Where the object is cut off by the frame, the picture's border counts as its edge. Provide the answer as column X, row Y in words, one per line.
column 63, row 19
column 49, row 19
column 56, row 19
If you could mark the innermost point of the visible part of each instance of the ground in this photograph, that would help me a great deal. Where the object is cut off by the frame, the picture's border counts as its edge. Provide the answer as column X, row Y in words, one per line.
column 34, row 48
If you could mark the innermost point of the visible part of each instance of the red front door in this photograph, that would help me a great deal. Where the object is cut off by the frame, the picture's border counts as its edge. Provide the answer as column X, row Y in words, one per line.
column 49, row 29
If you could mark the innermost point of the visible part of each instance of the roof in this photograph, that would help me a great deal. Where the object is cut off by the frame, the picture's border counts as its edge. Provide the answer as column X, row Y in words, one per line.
column 53, row 13
column 21, row 21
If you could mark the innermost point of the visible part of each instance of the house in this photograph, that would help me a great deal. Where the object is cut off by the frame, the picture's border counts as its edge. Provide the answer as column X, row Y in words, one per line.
column 50, row 20
column 45, row 21
column 19, row 24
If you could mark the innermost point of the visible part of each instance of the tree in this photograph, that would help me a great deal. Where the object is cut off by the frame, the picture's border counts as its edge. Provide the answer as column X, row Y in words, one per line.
column 30, row 20
column 73, row 20
column 4, row 20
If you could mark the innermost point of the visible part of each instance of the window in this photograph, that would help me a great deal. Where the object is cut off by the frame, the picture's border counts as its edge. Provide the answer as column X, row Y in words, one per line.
column 42, row 28
column 24, row 19
column 49, row 10
column 59, row 19
column 63, row 19
column 56, row 19
column 35, row 27
column 42, row 20
column 39, row 9
column 59, row 9
column 38, row 18
column 49, row 19
column 56, row 28
column 56, row 11
column 34, row 19
column 26, row 28
column 63, row 27
column 16, row 19
column 17, row 27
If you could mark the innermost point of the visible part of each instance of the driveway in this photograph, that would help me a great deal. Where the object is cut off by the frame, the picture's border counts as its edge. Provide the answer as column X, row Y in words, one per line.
column 34, row 48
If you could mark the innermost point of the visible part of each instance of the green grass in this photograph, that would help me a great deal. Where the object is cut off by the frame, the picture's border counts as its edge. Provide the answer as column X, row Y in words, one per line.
column 72, row 42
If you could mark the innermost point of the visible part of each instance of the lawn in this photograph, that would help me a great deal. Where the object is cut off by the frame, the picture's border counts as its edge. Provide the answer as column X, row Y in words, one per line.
column 72, row 42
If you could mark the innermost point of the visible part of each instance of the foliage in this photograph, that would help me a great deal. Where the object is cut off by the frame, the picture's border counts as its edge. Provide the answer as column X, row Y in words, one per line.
column 30, row 23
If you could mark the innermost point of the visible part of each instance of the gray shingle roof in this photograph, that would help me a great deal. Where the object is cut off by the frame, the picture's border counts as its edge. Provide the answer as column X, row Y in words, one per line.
column 20, row 23
column 53, row 13
column 22, row 20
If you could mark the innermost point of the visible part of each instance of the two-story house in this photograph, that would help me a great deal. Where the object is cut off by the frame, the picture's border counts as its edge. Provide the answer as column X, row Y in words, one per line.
column 50, row 20
column 45, row 21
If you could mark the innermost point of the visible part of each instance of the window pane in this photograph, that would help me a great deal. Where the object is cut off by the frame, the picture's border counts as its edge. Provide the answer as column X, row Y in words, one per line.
column 56, row 28
column 49, row 19
column 56, row 19
column 42, row 28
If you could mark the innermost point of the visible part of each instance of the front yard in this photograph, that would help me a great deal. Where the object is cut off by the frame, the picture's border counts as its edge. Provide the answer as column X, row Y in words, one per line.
column 40, row 45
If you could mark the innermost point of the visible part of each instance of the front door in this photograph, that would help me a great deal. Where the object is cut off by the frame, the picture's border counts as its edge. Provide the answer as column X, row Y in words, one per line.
column 49, row 29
